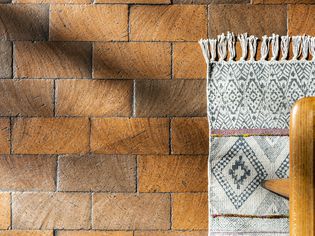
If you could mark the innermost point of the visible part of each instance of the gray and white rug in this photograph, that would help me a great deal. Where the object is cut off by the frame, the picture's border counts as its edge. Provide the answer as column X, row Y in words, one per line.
column 249, row 106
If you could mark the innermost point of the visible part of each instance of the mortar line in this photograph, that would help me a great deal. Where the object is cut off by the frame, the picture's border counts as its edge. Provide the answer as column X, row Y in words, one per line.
column 137, row 174
column 90, row 134
column 133, row 99
column 10, row 135
column 170, row 135
column 172, row 60
column 128, row 26
column 54, row 98
column 57, row 174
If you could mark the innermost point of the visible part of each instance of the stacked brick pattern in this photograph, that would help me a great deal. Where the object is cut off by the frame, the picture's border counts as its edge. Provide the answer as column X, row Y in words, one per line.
column 103, row 129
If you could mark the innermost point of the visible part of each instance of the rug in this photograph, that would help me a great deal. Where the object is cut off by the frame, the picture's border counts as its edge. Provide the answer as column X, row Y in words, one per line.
column 249, row 104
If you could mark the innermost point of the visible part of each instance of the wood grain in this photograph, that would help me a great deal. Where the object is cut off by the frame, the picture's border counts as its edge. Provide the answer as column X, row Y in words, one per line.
column 279, row 186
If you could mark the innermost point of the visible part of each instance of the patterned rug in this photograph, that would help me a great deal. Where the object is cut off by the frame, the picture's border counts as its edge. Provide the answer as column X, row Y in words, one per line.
column 249, row 105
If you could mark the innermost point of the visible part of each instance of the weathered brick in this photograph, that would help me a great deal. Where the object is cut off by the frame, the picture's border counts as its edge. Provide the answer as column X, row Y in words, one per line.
column 51, row 210
column 5, row 59
column 93, row 97
column 97, row 173
column 130, row 136
column 27, row 173
column 26, row 97
column 24, row 22
column 190, row 211
column 5, row 212
column 172, row 173
column 4, row 136
column 52, row 60
column 190, row 136
column 171, row 98
column 283, row 1
column 132, row 60
column 27, row 233
column 188, row 61
column 128, row 211
column 50, row 135
column 168, row 23
column 253, row 19
column 89, row 22
column 94, row 233
column 301, row 19
column 53, row 1
column 135, row 1
column 171, row 233
column 209, row 1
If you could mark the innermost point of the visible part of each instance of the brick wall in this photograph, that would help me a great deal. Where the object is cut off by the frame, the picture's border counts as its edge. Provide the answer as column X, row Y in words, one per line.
column 103, row 107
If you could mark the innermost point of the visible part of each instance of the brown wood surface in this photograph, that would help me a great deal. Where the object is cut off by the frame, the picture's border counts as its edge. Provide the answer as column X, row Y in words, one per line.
column 278, row 186
column 302, row 167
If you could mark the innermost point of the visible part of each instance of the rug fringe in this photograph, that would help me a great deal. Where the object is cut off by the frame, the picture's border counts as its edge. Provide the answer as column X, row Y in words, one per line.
column 302, row 47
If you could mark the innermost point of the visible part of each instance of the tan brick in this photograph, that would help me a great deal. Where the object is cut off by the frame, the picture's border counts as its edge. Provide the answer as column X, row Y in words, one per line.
column 282, row 1
column 188, row 61
column 301, row 19
column 94, row 233
column 171, row 98
column 172, row 173
column 168, row 23
column 171, row 233
column 127, row 212
column 132, row 60
column 20, row 173
column 190, row 136
column 130, row 136
column 51, row 210
column 50, row 135
column 135, row 1
column 209, row 1
column 253, row 19
column 5, row 213
column 4, row 136
column 93, row 97
column 26, row 97
column 24, row 22
column 97, row 173
column 5, row 59
column 52, row 60
column 190, row 211
column 53, row 1
column 27, row 233
column 89, row 22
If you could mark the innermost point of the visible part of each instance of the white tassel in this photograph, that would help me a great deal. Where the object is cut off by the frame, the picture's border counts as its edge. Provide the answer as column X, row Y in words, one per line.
column 296, row 41
column 312, row 48
column 244, row 43
column 231, row 45
column 213, row 48
column 204, row 44
column 305, row 46
column 264, row 47
column 275, row 46
column 222, row 47
column 285, row 44
column 252, row 40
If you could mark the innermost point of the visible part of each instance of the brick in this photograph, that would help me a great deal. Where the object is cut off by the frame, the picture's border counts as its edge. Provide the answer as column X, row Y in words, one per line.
column 135, row 1
column 171, row 98
column 53, row 1
column 253, row 19
column 168, row 23
column 24, row 22
column 97, row 173
column 5, row 59
column 172, row 173
column 50, row 135
column 128, row 212
column 52, row 60
column 26, row 97
column 27, row 233
column 89, row 22
column 94, row 233
column 301, row 19
column 132, row 60
column 130, row 136
column 4, row 136
column 93, row 97
column 282, row 1
column 5, row 213
column 190, row 211
column 51, row 210
column 188, row 61
column 190, row 136
column 209, row 1
column 27, row 173
column 171, row 233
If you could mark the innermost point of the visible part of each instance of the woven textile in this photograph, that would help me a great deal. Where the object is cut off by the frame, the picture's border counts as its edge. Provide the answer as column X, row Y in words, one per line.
column 249, row 106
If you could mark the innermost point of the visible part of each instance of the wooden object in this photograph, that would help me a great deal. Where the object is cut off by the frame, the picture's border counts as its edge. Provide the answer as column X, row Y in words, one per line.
column 278, row 186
